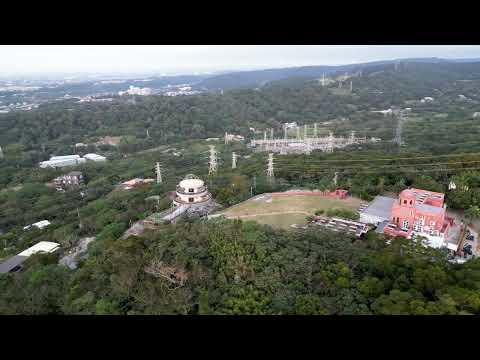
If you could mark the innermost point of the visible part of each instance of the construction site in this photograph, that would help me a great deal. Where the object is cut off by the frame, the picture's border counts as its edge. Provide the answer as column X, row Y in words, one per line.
column 305, row 143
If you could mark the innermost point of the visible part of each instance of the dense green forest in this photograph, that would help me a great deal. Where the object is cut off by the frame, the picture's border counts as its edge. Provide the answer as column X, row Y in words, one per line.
column 228, row 267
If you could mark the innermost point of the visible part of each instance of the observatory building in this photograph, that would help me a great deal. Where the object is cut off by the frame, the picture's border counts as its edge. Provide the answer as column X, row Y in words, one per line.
column 191, row 190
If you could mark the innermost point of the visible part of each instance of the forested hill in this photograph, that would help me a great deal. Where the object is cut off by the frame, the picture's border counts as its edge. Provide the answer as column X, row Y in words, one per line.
column 258, row 78
column 58, row 126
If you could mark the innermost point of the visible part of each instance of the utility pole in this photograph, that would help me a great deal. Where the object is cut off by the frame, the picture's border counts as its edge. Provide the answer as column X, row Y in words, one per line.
column 80, row 225
column 213, row 163
column 351, row 140
column 159, row 173
column 1, row 153
column 308, row 148
column 234, row 160
column 351, row 86
column 270, row 171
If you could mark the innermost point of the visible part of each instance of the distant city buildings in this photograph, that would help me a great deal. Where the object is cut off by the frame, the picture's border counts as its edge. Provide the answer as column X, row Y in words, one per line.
column 132, row 90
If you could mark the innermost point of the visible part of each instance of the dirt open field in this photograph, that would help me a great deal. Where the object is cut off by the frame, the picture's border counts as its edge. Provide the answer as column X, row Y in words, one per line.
column 283, row 211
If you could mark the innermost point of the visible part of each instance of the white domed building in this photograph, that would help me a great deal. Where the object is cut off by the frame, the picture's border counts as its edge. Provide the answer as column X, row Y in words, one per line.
column 191, row 191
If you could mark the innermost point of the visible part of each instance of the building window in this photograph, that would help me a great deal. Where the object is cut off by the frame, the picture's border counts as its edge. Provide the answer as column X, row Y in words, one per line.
column 405, row 224
column 190, row 199
column 190, row 190
column 405, row 202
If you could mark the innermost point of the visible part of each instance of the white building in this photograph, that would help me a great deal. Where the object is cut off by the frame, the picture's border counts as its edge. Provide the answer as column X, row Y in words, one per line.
column 39, row 225
column 41, row 247
column 95, row 157
column 61, row 161
column 191, row 190
column 427, row 99
column 132, row 90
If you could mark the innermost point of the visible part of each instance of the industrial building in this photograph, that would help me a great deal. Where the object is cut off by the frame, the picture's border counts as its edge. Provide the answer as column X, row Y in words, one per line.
column 95, row 157
column 305, row 143
column 70, row 180
column 70, row 160
column 14, row 263
column 62, row 161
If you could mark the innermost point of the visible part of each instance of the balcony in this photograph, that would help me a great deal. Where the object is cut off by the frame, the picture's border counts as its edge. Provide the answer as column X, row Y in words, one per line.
column 183, row 191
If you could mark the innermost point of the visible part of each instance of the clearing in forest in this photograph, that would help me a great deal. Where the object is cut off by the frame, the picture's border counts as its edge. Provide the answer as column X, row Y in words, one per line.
column 283, row 211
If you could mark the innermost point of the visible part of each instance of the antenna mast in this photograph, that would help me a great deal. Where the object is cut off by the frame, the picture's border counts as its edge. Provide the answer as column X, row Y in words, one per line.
column 159, row 173
column 234, row 160
column 270, row 172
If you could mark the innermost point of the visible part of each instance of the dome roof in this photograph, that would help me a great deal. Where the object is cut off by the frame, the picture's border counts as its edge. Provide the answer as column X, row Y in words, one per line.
column 191, row 183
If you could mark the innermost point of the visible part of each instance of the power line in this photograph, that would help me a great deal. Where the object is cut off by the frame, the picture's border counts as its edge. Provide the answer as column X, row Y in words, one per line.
column 383, row 166
column 392, row 159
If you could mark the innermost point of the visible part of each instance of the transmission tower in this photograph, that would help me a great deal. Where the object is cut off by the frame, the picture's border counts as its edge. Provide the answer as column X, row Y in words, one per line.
column 213, row 163
column 234, row 160
column 158, row 170
column 270, row 172
column 330, row 142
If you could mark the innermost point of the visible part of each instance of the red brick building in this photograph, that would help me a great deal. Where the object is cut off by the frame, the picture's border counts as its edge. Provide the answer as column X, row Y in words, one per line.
column 420, row 212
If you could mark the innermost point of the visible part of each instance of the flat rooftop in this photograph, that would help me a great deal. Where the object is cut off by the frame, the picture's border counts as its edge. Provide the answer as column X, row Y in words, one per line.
column 381, row 206
column 12, row 263
column 42, row 246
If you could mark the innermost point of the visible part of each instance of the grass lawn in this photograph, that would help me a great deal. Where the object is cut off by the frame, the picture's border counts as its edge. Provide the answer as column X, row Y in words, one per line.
column 283, row 211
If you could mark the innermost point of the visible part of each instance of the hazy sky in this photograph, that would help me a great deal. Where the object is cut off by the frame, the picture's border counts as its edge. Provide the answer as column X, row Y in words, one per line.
column 198, row 58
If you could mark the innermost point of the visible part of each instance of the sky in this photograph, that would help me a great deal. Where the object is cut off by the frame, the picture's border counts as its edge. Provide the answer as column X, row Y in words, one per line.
column 188, row 59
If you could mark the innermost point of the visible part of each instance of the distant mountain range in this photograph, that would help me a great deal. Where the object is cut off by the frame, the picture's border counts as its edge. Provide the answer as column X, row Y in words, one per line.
column 258, row 78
